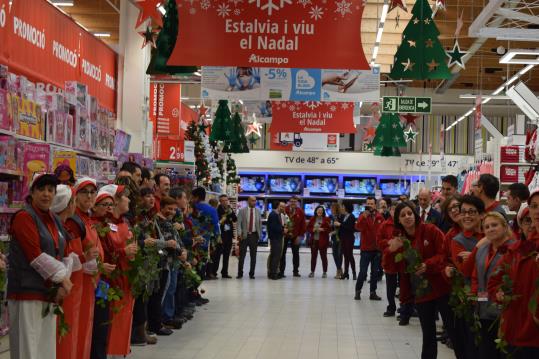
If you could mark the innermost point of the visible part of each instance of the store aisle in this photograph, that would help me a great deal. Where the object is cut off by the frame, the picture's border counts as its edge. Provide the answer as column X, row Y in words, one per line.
column 290, row 318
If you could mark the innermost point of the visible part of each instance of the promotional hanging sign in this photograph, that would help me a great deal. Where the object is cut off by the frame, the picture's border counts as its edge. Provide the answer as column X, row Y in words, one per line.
column 313, row 117
column 165, row 108
column 169, row 149
column 50, row 48
column 262, row 33
column 285, row 84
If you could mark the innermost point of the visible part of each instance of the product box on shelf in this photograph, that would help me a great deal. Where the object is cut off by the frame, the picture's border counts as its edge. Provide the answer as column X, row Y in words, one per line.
column 7, row 152
column 16, row 191
column 6, row 121
column 4, row 73
column 68, row 130
column 4, row 194
column 82, row 128
column 512, row 154
column 83, row 166
column 5, row 221
column 31, row 122
column 36, row 159
column 76, row 93
column 512, row 173
column 68, row 158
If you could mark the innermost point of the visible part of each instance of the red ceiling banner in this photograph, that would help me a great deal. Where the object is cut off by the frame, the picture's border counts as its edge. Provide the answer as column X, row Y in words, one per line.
column 312, row 117
column 47, row 46
column 165, row 108
column 270, row 33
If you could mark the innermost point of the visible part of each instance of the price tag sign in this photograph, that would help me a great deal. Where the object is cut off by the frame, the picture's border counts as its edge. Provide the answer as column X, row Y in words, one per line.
column 378, row 194
column 306, row 192
column 170, row 150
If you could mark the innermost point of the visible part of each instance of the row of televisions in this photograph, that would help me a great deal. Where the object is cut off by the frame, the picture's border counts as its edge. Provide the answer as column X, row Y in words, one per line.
column 322, row 185
column 266, row 207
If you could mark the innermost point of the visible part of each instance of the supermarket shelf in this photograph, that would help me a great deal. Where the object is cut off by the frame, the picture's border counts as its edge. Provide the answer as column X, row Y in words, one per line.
column 5, row 171
column 67, row 148
column 516, row 164
column 8, row 210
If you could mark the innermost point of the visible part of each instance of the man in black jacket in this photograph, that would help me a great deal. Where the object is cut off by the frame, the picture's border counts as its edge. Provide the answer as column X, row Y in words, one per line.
column 227, row 218
column 276, row 231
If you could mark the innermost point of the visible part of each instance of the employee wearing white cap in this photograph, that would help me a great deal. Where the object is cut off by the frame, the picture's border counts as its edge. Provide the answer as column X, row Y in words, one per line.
column 64, row 206
column 36, row 254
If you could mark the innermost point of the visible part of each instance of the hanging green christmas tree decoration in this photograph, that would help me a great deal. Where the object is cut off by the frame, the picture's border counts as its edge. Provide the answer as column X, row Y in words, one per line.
column 222, row 124
column 202, row 170
column 165, row 44
column 237, row 142
column 420, row 56
column 389, row 136
column 231, row 171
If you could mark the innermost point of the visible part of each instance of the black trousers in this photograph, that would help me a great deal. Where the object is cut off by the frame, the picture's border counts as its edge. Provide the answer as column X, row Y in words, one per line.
column 391, row 290
column 524, row 352
column 155, row 313
column 140, row 311
column 223, row 249
column 100, row 332
column 180, row 299
column 464, row 341
column 487, row 347
column 252, row 242
column 295, row 254
column 276, row 250
column 427, row 317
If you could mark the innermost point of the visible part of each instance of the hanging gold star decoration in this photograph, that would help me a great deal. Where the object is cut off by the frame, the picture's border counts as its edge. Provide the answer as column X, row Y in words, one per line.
column 410, row 135
column 429, row 43
column 254, row 128
column 408, row 66
column 432, row 65
column 149, row 37
column 412, row 43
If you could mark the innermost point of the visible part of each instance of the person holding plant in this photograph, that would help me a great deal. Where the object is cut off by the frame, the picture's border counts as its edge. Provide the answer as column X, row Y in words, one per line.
column 524, row 223
column 345, row 225
column 318, row 229
column 296, row 228
column 37, row 276
column 416, row 252
column 336, row 249
column 488, row 254
column 514, row 285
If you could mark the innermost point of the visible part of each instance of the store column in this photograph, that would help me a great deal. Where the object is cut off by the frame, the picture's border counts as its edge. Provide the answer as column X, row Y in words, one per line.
column 133, row 83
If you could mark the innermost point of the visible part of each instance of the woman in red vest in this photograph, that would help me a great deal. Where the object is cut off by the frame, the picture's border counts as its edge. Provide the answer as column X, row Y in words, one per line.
column 420, row 268
column 515, row 286
column 318, row 229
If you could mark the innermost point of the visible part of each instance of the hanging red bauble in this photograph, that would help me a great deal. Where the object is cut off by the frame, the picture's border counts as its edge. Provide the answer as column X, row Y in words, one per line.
column 148, row 9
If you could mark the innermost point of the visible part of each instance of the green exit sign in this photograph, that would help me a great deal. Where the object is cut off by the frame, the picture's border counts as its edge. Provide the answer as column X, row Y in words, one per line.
column 399, row 104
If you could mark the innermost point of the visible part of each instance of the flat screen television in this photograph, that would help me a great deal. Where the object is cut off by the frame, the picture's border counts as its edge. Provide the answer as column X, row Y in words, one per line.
column 359, row 186
column 253, row 183
column 309, row 208
column 395, row 187
column 324, row 185
column 284, row 184
column 358, row 209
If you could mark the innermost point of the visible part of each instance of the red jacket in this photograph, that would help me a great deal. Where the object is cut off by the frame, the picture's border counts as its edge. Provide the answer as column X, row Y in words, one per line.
column 369, row 225
column 323, row 241
column 520, row 263
column 384, row 234
column 298, row 218
column 429, row 242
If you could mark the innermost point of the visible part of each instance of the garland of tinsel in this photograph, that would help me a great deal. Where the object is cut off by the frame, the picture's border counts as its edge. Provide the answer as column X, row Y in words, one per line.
column 232, row 174
column 202, row 169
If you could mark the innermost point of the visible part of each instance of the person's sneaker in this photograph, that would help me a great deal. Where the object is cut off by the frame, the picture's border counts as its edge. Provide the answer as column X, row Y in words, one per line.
column 358, row 296
column 404, row 321
column 324, row 275
column 388, row 313
column 173, row 324
column 164, row 331
column 311, row 275
column 151, row 340
column 374, row 296
column 138, row 342
column 296, row 274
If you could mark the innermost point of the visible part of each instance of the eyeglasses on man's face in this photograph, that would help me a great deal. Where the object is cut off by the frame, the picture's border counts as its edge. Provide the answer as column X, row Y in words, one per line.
column 470, row 212
column 105, row 205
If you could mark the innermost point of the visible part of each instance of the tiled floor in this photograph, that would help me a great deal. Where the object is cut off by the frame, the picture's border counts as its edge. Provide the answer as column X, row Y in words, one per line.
column 291, row 318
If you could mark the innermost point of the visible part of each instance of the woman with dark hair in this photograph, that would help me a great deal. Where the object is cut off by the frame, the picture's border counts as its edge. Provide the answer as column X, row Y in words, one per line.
column 346, row 225
column 524, row 223
column 416, row 252
column 335, row 240
column 318, row 229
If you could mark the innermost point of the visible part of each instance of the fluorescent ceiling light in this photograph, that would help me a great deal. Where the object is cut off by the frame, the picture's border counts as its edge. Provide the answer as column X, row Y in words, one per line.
column 499, row 89
column 490, row 97
column 525, row 100
column 385, row 9
column 486, row 100
column 102, row 34
column 62, row 2
column 468, row 113
column 509, row 57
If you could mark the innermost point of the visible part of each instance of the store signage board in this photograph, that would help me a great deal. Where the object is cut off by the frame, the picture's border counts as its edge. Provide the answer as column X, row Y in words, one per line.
column 400, row 104
column 165, row 108
column 312, row 117
column 48, row 47
column 269, row 33
column 285, row 84
column 349, row 162
column 302, row 142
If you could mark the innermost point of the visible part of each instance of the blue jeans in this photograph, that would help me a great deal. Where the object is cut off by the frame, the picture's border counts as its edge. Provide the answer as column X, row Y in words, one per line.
column 169, row 306
column 366, row 258
column 337, row 253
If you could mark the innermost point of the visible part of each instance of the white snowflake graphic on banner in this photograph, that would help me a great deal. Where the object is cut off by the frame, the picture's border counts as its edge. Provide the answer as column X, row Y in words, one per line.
column 343, row 7
column 292, row 108
column 192, row 11
column 345, row 105
column 235, row 2
column 312, row 104
column 270, row 5
column 316, row 12
column 205, row 4
column 333, row 108
column 304, row 2
column 237, row 12
column 223, row 10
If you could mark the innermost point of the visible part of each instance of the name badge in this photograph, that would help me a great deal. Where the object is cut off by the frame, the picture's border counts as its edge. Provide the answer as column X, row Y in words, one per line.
column 113, row 227
column 226, row 227
column 482, row 297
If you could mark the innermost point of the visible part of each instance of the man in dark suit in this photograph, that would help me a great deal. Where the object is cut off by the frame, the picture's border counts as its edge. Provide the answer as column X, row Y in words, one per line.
column 276, row 231
column 227, row 218
column 426, row 212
